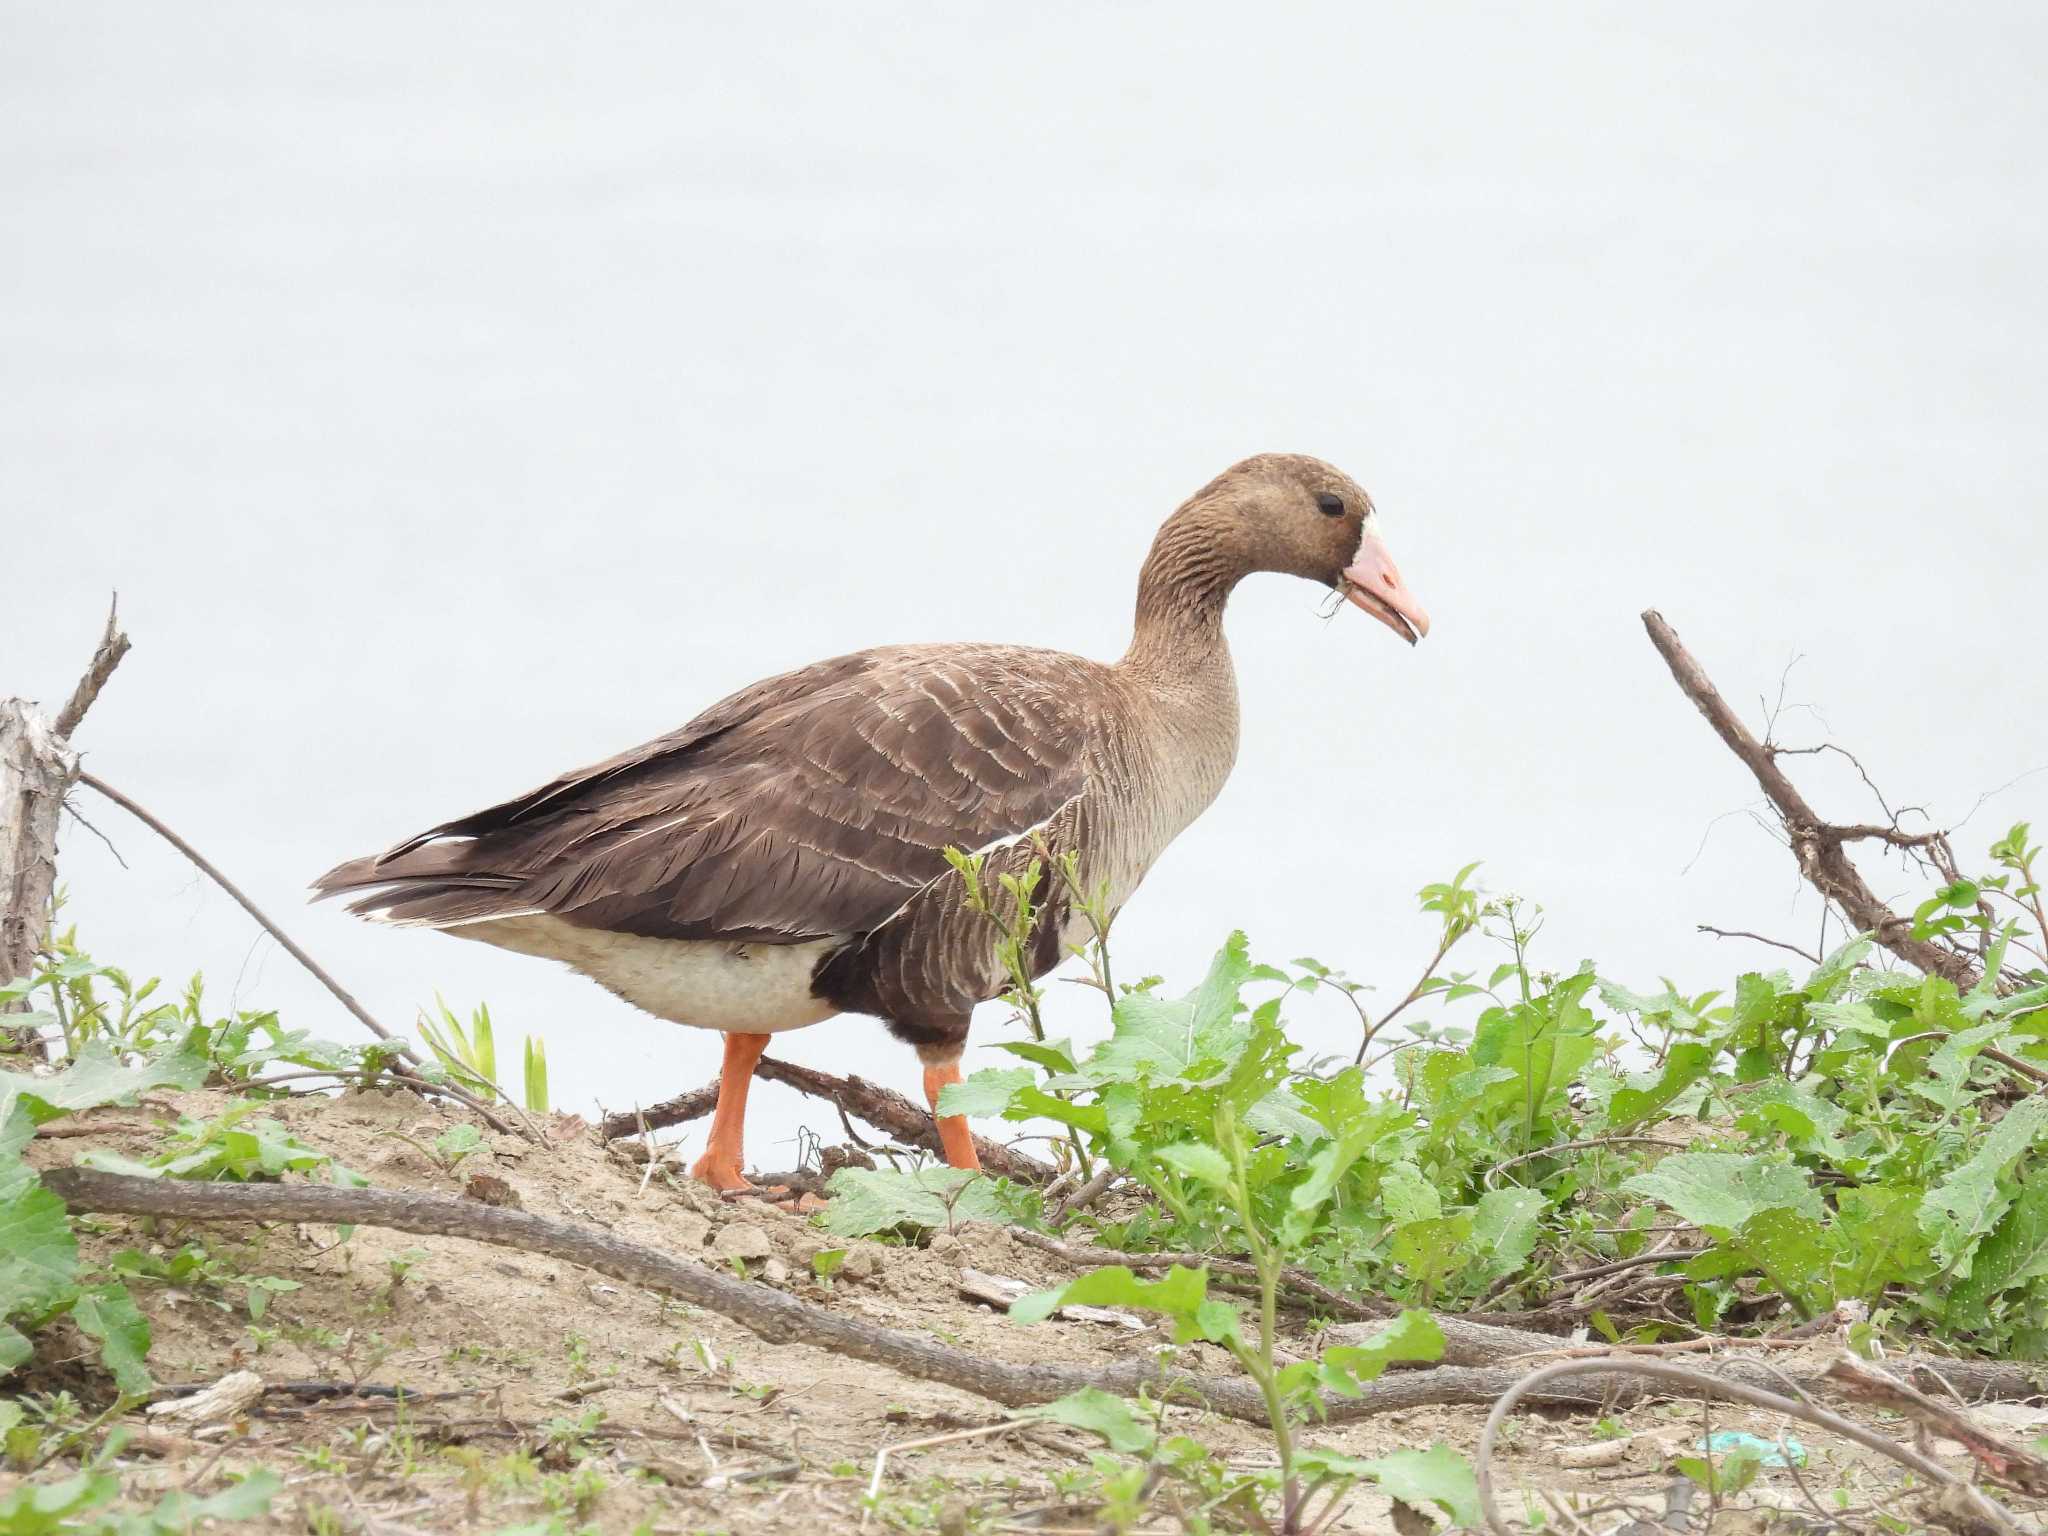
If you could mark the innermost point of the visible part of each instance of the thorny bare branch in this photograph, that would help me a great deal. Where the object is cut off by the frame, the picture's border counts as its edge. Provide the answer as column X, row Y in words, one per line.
column 1818, row 844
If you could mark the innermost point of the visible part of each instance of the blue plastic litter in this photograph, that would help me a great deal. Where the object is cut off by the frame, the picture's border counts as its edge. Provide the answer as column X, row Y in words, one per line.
column 1769, row 1453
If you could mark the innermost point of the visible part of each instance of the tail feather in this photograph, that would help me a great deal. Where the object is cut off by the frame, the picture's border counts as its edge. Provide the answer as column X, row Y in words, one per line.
column 430, row 884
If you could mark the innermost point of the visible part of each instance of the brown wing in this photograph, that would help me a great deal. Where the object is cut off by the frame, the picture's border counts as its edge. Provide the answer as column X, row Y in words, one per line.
column 810, row 805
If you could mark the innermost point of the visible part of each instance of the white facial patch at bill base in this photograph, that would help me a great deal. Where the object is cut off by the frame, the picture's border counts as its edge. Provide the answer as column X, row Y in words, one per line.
column 1368, row 529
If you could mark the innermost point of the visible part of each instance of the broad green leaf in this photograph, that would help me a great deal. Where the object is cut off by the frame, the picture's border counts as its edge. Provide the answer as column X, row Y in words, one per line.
column 1949, row 1067
column 1505, row 1224
column 1648, row 1092
column 458, row 1141
column 869, row 1200
column 1099, row 1412
column 986, row 1092
column 38, row 1254
column 1178, row 1293
column 1967, row 1204
column 1032, row 1102
column 108, row 1313
column 96, row 1076
column 1433, row 1250
column 1282, row 1113
column 1663, row 1005
column 1810, row 1122
column 1438, row 1476
column 1411, row 1336
column 1407, row 1196
column 1052, row 1055
column 1875, row 1239
column 38, row 1509
column 1724, row 1189
column 15, row 1348
column 1159, row 1037
column 1759, row 999
column 1326, row 1167
column 2013, row 1254
column 1197, row 1161
column 1791, row 1250
column 1216, row 1321
column 250, row 1499
column 1827, row 982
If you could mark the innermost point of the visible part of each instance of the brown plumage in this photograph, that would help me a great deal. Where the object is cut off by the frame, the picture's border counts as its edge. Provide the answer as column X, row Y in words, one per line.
column 781, row 857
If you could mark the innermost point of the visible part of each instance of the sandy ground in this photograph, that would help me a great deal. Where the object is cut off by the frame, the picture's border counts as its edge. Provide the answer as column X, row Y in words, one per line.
column 688, row 1423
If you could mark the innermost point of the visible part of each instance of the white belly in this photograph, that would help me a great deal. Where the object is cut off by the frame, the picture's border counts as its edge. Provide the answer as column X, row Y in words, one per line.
column 753, row 989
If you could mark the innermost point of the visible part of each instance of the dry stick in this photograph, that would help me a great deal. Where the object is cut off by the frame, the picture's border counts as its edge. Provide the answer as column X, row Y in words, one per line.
column 881, row 1107
column 341, row 993
column 2004, row 1462
column 1706, row 1384
column 1086, row 1195
column 1744, row 933
column 1816, row 844
column 113, row 646
column 783, row 1319
column 37, row 768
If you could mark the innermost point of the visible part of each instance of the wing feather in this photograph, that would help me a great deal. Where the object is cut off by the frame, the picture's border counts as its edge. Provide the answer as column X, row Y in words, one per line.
column 812, row 805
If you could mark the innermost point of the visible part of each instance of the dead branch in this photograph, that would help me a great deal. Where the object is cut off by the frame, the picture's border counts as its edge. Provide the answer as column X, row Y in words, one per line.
column 2008, row 1464
column 783, row 1319
column 1696, row 1382
column 680, row 1110
column 1816, row 844
column 37, row 768
column 112, row 647
column 1743, row 933
column 883, row 1108
column 341, row 994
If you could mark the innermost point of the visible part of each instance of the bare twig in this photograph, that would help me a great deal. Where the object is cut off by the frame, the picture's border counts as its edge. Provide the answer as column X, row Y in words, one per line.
column 341, row 993
column 1816, row 844
column 1714, row 1385
column 926, row 1443
column 2006, row 1463
column 112, row 647
column 1372, row 1030
column 1742, row 933
column 1086, row 1195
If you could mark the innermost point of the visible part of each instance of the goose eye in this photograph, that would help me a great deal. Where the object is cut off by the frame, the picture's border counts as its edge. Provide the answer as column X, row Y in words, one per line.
column 1332, row 506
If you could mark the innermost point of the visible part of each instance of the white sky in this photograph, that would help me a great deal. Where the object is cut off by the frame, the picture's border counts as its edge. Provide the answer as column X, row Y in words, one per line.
column 458, row 393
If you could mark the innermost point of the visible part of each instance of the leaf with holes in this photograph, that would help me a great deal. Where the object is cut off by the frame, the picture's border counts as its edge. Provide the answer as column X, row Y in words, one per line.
column 108, row 1313
column 1962, row 1208
column 869, row 1200
column 1724, row 1189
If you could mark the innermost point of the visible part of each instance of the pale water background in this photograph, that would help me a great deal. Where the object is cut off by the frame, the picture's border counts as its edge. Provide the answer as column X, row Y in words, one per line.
column 460, row 392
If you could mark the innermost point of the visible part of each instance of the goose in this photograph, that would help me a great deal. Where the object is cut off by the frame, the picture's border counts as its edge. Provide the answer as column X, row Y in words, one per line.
column 782, row 858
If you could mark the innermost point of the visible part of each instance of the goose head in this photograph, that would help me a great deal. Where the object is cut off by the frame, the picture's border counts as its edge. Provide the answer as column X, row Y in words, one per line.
column 1301, row 517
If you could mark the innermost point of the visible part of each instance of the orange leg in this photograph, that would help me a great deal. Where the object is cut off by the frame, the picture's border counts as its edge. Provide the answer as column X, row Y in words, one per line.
column 953, row 1133
column 722, row 1160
